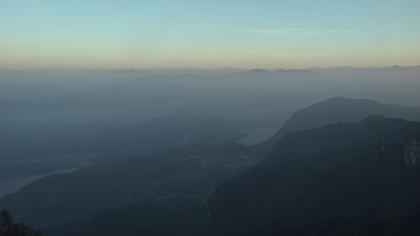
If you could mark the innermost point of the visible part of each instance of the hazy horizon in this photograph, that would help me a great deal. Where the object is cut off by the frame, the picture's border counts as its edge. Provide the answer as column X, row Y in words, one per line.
column 203, row 69
column 208, row 35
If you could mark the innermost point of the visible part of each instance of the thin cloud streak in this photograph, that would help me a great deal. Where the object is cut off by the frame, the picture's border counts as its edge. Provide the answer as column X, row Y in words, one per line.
column 292, row 31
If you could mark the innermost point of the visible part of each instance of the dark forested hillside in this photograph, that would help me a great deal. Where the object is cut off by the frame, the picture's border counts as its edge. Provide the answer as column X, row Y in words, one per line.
column 341, row 179
column 8, row 226
column 175, row 216
column 191, row 172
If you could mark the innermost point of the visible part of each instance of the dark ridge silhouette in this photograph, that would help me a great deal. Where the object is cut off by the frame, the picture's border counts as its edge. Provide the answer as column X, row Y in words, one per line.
column 338, row 109
column 340, row 179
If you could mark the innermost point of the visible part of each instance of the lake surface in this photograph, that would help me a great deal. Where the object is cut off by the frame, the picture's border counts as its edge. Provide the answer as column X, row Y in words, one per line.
column 12, row 183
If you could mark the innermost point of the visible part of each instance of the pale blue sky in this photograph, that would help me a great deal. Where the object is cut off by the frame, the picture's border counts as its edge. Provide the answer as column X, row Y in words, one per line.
column 208, row 34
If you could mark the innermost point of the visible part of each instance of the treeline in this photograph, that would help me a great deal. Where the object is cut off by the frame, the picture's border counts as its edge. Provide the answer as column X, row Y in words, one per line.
column 8, row 227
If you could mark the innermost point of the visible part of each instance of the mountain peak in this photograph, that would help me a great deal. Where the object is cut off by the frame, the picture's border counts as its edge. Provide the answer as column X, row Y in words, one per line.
column 255, row 71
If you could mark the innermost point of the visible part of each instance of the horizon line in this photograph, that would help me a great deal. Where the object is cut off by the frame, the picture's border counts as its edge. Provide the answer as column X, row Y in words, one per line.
column 268, row 69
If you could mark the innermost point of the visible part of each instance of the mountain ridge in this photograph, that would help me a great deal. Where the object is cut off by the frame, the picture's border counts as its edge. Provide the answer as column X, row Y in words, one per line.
column 338, row 109
column 347, row 171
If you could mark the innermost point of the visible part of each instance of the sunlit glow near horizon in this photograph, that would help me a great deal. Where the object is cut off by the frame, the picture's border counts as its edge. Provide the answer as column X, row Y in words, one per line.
column 208, row 34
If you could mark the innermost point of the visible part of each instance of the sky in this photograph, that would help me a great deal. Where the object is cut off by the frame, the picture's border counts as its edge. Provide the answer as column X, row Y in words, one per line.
column 106, row 34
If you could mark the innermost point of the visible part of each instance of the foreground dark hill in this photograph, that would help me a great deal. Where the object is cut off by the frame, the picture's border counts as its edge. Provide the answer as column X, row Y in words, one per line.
column 177, row 216
column 191, row 172
column 341, row 179
column 338, row 109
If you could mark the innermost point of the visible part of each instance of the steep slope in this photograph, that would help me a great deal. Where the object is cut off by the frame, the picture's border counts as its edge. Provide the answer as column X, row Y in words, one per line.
column 338, row 109
column 341, row 179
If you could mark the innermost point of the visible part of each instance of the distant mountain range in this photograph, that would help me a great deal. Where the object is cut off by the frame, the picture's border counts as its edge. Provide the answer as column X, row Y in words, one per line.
column 206, row 71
